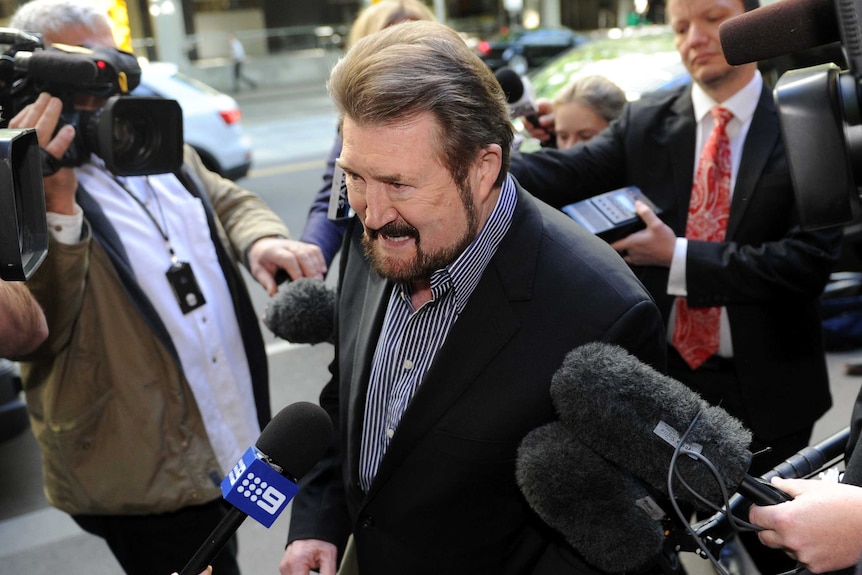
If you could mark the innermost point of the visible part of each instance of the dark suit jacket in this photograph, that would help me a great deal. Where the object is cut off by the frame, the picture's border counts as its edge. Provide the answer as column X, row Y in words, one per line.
column 768, row 273
column 445, row 498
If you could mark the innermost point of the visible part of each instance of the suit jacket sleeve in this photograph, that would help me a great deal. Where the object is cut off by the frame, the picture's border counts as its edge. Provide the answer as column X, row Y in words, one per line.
column 244, row 216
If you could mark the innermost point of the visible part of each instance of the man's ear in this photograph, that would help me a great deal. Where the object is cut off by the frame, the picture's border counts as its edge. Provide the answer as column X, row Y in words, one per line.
column 489, row 162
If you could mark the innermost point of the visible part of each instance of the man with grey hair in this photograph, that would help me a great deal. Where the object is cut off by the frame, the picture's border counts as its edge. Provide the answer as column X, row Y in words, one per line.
column 153, row 380
column 459, row 296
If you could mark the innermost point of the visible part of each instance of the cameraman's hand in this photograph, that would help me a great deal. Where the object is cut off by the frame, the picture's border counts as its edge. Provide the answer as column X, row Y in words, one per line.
column 43, row 115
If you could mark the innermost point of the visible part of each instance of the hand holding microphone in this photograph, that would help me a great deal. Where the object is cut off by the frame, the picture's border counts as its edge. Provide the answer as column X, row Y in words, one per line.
column 537, row 115
column 617, row 441
column 264, row 480
column 819, row 528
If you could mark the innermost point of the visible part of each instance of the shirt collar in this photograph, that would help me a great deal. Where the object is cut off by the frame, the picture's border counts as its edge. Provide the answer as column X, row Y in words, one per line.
column 463, row 274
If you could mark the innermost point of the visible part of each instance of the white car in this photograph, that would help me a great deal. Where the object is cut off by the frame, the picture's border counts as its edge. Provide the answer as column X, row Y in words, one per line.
column 211, row 119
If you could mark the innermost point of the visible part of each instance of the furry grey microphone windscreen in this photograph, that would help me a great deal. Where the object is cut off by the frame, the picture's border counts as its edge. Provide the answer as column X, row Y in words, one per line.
column 628, row 412
column 601, row 510
column 778, row 28
column 303, row 311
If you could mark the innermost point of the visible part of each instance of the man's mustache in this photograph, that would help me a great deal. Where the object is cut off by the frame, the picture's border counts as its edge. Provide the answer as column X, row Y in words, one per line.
column 394, row 230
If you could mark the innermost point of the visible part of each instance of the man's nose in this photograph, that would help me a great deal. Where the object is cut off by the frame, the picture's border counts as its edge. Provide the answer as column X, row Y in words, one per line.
column 379, row 210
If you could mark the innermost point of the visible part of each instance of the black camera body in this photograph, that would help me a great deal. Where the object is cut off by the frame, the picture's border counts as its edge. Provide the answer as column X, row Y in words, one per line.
column 23, row 229
column 819, row 107
column 134, row 136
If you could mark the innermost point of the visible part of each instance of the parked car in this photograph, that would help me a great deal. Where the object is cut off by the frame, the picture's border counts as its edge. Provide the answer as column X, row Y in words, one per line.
column 523, row 50
column 211, row 119
column 638, row 60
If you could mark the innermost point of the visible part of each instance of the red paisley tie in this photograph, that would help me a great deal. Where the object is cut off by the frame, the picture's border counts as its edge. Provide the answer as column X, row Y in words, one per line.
column 695, row 333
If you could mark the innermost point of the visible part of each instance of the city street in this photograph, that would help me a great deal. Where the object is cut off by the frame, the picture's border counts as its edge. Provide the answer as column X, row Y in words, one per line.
column 292, row 129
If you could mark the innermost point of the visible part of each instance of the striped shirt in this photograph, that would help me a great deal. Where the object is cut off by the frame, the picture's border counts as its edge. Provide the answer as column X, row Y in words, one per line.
column 411, row 338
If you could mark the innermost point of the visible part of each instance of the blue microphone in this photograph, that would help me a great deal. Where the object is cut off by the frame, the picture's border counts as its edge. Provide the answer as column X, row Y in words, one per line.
column 263, row 481
column 254, row 487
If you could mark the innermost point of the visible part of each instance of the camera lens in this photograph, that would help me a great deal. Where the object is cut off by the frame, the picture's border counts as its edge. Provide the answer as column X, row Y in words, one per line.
column 138, row 136
column 134, row 140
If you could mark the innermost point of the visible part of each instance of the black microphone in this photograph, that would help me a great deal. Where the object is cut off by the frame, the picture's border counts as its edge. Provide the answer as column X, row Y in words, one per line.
column 264, row 480
column 519, row 95
column 604, row 512
column 779, row 28
column 635, row 417
column 57, row 66
column 303, row 311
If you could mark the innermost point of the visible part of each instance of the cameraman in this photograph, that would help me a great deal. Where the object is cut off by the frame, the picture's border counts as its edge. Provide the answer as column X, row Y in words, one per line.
column 153, row 380
column 22, row 323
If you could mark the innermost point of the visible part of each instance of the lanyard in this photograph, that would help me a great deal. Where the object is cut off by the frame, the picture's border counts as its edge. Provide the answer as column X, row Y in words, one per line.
column 163, row 231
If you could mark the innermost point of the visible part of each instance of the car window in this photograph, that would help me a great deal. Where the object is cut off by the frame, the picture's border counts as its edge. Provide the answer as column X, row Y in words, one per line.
column 639, row 61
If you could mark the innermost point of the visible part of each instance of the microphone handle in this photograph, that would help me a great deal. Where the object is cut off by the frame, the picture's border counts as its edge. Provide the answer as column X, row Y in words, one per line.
column 761, row 492
column 215, row 542
column 813, row 458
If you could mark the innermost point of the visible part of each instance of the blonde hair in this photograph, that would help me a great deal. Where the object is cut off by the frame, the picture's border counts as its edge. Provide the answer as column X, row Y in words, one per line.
column 603, row 96
column 383, row 14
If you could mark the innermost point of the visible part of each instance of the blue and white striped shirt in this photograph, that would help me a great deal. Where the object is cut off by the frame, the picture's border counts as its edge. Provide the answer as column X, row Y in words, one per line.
column 410, row 339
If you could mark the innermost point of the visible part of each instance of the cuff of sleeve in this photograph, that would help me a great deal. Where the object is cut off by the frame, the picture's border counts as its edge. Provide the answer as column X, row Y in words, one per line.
column 66, row 229
column 676, row 278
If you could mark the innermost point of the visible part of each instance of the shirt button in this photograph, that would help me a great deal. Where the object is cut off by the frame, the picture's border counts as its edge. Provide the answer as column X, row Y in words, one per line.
column 408, row 364
column 390, row 433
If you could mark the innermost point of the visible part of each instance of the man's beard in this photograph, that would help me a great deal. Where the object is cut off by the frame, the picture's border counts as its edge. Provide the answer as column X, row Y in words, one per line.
column 423, row 264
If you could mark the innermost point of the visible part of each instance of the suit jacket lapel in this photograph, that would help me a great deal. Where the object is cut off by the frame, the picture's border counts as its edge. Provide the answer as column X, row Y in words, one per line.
column 372, row 313
column 763, row 135
column 679, row 137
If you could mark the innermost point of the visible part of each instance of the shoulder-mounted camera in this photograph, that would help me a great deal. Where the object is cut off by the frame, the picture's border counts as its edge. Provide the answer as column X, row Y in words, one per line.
column 133, row 135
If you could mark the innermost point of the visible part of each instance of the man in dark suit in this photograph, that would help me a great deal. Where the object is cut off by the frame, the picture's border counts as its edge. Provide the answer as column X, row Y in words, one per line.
column 459, row 297
column 763, row 277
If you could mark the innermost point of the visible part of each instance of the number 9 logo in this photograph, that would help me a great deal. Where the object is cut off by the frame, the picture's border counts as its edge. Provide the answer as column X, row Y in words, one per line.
column 271, row 500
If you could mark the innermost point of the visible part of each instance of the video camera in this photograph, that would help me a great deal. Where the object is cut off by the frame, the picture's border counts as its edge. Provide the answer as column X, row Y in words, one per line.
column 819, row 107
column 135, row 136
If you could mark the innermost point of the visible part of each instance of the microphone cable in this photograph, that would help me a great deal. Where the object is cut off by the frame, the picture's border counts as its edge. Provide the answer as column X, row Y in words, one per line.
column 737, row 525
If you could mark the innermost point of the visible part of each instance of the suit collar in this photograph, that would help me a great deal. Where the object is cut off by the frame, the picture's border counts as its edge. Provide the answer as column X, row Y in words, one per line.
column 678, row 135
column 763, row 137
